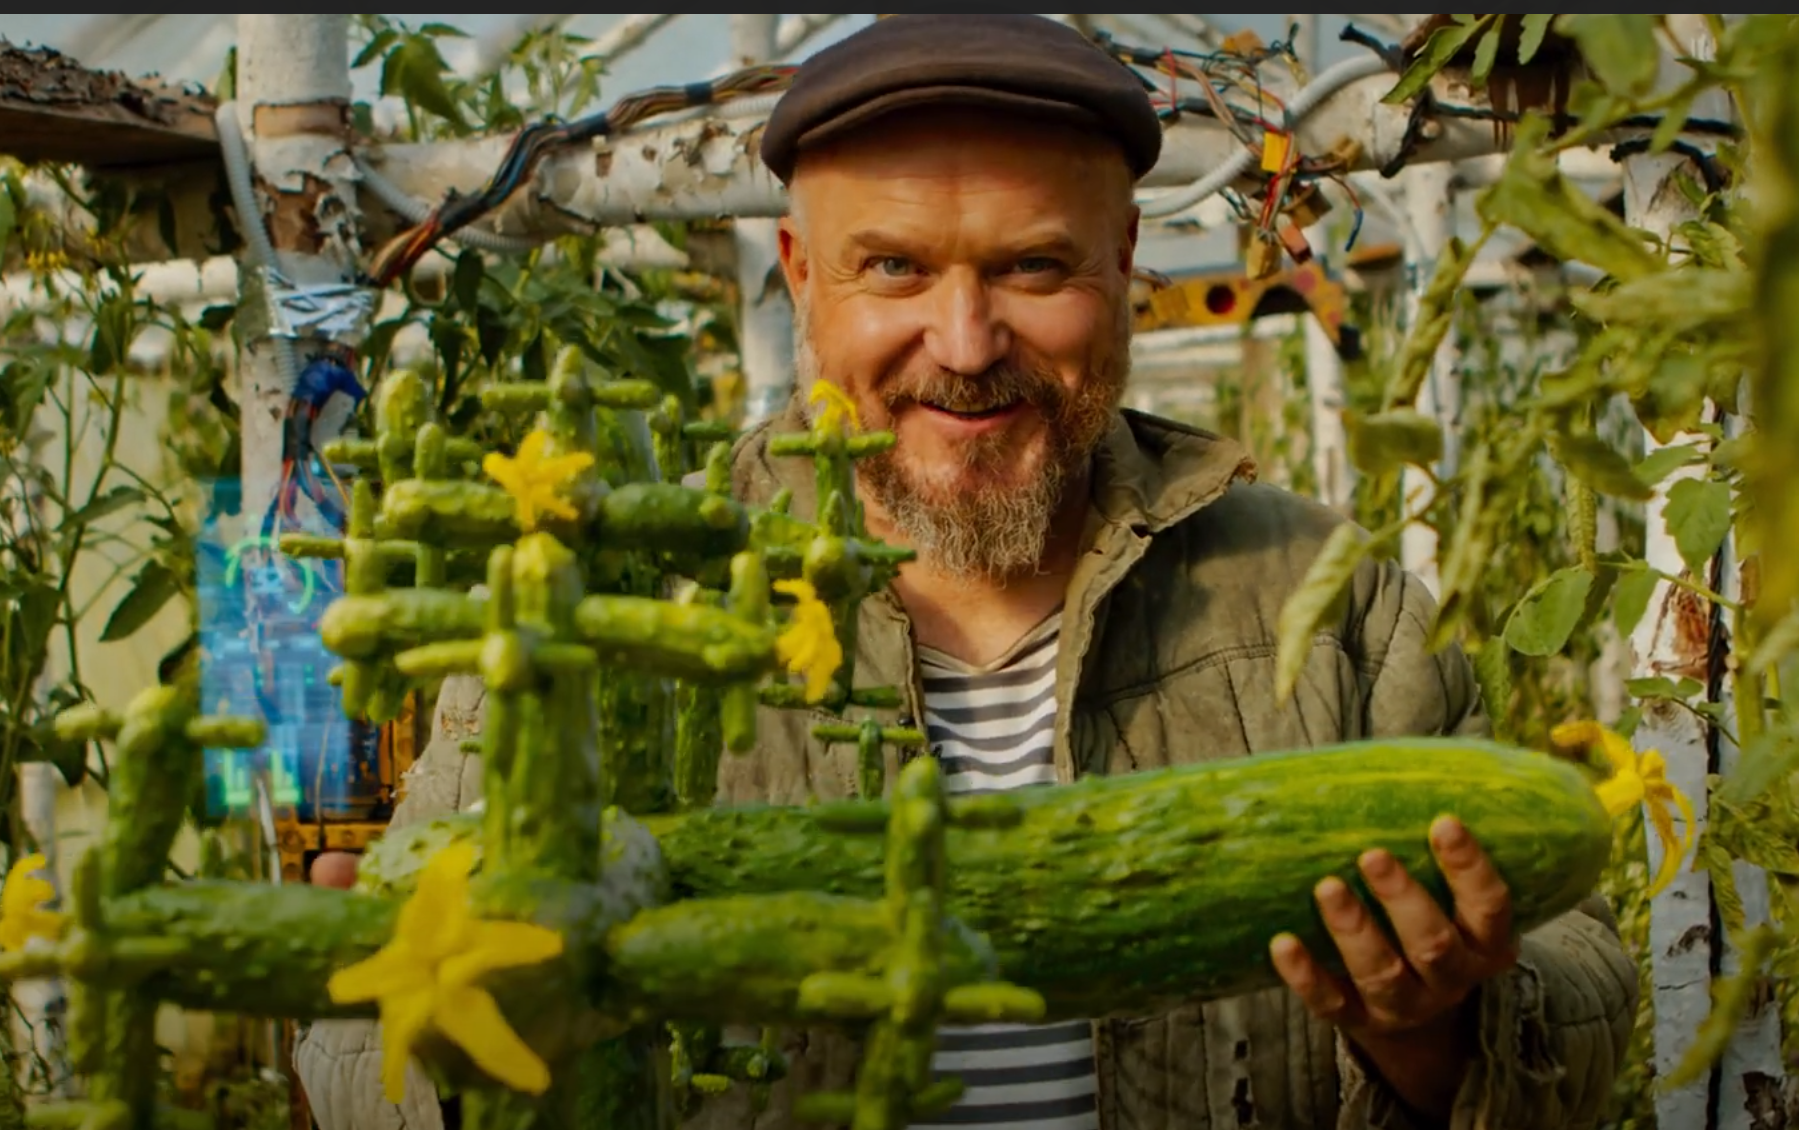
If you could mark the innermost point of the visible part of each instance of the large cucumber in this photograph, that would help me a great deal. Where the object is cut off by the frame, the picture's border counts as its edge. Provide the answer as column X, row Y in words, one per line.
column 1120, row 895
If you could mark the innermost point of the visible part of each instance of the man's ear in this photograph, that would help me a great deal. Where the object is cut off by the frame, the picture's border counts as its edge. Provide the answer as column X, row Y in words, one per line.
column 1128, row 252
column 795, row 264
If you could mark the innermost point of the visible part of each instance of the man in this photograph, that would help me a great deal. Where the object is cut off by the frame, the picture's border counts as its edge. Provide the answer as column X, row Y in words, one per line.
column 1096, row 592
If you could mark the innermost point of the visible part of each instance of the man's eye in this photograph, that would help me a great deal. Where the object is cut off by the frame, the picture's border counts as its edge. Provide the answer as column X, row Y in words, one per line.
column 894, row 266
column 1037, row 264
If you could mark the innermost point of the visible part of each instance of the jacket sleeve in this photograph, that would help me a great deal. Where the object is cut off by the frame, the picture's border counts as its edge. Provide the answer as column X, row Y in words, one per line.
column 339, row 1061
column 1553, row 1030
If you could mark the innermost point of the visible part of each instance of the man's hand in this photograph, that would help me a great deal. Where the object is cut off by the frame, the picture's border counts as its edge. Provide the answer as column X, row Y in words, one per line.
column 334, row 869
column 1403, row 1007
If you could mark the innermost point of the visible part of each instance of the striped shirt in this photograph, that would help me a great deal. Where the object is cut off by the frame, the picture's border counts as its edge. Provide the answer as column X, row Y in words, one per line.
column 992, row 729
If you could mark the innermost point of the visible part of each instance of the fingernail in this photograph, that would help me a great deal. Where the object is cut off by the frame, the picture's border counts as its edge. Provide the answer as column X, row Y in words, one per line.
column 1377, row 864
column 1284, row 947
column 1448, row 833
column 1332, row 891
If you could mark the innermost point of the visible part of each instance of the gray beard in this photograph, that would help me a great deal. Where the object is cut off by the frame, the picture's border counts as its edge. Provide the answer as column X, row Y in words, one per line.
column 992, row 534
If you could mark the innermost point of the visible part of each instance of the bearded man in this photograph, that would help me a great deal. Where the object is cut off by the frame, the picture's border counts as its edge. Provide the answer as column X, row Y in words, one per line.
column 1096, row 591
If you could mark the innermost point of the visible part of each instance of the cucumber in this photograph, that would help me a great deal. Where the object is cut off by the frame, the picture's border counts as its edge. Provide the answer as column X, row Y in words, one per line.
column 1118, row 896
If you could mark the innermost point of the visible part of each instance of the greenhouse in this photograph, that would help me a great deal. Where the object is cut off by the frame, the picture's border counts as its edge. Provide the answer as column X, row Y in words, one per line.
column 1083, row 571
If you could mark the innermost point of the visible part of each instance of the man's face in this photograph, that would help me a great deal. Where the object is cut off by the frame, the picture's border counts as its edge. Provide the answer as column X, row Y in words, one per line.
column 965, row 280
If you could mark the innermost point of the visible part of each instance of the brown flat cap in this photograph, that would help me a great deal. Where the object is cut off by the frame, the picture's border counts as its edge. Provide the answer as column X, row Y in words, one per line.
column 1022, row 63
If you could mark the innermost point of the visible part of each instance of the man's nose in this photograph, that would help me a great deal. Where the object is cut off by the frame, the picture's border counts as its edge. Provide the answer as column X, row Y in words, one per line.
column 964, row 335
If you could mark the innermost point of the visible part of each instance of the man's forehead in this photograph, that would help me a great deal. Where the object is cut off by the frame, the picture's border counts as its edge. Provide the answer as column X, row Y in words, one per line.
column 1044, row 176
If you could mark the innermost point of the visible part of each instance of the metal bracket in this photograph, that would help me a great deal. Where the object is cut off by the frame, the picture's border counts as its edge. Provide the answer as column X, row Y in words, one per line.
column 270, row 306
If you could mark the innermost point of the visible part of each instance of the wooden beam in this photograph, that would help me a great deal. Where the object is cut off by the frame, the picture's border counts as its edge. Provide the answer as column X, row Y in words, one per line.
column 54, row 109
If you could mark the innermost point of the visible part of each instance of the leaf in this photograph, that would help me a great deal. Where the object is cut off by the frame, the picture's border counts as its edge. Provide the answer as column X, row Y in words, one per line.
column 1620, row 50
column 1630, row 599
column 1667, row 131
column 1386, row 440
column 1442, row 46
column 1698, row 519
column 152, row 588
column 1533, row 196
column 1544, row 620
column 1770, row 758
column 1595, row 463
column 1780, row 641
column 1664, row 461
column 1530, row 36
column 1486, row 53
column 9, row 219
column 1660, row 686
column 113, row 501
column 1307, row 609
column 465, row 284
column 1493, row 671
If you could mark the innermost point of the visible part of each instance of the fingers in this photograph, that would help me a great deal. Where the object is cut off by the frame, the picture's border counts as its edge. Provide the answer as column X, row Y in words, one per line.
column 1323, row 994
column 1377, row 971
column 1430, row 942
column 334, row 869
column 1483, row 905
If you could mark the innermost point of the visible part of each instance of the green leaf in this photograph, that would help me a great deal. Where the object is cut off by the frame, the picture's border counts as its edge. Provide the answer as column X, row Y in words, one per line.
column 1544, row 620
column 1620, row 50
column 1660, row 686
column 1533, row 196
column 1664, row 461
column 465, row 284
column 1630, row 599
column 1698, row 519
column 1438, row 50
column 1595, row 463
column 1387, row 440
column 1780, row 641
column 1486, row 52
column 1530, row 36
column 1318, row 595
column 113, row 501
column 1493, row 671
column 153, row 587
column 1667, row 131
column 9, row 219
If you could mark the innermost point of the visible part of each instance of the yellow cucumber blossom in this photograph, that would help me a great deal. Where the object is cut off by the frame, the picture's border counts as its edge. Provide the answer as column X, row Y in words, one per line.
column 22, row 899
column 425, row 979
column 1637, row 779
column 809, row 646
column 533, row 479
column 838, row 413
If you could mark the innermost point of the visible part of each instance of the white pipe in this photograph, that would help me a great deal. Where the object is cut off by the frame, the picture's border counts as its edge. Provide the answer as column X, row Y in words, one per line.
column 239, row 178
column 766, row 315
column 796, row 31
column 1332, row 80
column 1430, row 206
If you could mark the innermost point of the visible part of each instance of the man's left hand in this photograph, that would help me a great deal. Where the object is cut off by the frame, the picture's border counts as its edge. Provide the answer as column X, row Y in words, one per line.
column 1392, row 994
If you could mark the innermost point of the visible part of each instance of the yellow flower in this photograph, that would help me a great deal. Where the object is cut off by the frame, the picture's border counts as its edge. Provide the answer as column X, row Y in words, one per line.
column 425, row 978
column 533, row 480
column 838, row 411
column 22, row 913
column 1637, row 779
column 809, row 646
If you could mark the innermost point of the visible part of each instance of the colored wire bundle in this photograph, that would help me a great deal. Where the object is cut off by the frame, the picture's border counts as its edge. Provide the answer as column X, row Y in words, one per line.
column 536, row 141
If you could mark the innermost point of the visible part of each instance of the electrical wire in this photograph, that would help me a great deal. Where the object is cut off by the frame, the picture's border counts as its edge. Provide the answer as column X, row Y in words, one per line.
column 1329, row 81
column 536, row 141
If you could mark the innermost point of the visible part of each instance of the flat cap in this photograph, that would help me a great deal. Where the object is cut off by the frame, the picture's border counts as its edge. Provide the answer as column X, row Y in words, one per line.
column 1026, row 64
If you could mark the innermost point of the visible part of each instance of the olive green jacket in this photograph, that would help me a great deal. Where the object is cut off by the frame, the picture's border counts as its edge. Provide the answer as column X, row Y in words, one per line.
column 1167, row 658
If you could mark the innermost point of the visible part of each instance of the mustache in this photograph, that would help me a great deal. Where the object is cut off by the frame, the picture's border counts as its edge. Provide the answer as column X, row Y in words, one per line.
column 1005, row 383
